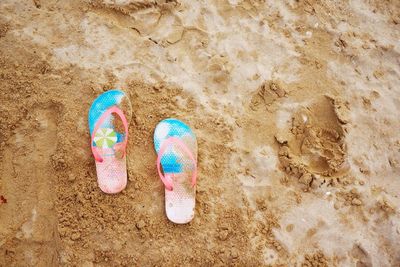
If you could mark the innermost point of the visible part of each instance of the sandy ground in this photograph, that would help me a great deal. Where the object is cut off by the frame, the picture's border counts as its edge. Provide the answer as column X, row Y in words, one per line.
column 296, row 106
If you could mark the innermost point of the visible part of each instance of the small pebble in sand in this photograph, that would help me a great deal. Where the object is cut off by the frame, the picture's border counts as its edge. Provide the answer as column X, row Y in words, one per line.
column 71, row 178
column 223, row 235
column 356, row 202
column 140, row 224
column 68, row 80
column 75, row 236
column 234, row 254
column 137, row 186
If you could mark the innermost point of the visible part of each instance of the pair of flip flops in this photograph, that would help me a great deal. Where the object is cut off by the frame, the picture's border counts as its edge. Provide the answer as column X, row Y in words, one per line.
column 174, row 142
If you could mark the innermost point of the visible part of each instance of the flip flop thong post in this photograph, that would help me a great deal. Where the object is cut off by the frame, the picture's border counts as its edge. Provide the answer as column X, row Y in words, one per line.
column 176, row 147
column 108, row 125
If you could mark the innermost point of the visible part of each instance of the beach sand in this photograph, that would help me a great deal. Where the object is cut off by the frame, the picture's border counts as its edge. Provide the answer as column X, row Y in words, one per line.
column 295, row 104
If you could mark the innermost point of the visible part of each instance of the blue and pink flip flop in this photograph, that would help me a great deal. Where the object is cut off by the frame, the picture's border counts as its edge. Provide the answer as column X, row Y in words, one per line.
column 176, row 146
column 109, row 139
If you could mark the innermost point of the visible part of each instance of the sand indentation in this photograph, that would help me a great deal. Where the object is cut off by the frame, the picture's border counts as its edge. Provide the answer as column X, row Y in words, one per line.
column 314, row 149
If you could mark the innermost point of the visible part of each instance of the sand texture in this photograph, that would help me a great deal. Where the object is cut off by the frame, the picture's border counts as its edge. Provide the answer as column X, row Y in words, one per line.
column 296, row 108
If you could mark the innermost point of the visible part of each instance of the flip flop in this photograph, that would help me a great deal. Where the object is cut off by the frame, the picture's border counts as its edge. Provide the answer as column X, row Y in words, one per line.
column 176, row 146
column 109, row 139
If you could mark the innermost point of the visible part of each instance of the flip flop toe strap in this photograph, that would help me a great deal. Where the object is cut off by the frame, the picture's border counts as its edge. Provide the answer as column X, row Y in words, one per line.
column 101, row 120
column 167, row 178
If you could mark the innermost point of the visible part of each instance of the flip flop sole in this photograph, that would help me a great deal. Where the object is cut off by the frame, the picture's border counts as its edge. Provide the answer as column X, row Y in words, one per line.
column 111, row 172
column 180, row 202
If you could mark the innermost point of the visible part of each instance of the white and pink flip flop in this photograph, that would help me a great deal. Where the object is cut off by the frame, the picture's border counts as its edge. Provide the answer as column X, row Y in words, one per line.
column 107, row 143
column 176, row 146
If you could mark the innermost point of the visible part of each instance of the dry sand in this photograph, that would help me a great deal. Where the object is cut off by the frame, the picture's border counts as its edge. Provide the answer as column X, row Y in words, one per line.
column 296, row 106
